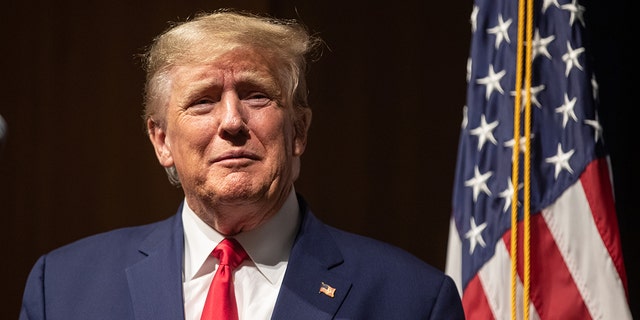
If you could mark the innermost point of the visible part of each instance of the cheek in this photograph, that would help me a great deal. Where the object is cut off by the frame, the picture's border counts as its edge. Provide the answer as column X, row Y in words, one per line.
column 280, row 138
column 190, row 134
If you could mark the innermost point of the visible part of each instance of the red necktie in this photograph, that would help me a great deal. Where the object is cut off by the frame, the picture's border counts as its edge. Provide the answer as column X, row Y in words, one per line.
column 221, row 300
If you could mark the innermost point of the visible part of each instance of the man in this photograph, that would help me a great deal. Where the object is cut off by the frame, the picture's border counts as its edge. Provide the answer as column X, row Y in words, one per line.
column 227, row 113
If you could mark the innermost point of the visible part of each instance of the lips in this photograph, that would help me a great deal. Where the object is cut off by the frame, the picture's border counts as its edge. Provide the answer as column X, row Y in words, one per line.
column 236, row 155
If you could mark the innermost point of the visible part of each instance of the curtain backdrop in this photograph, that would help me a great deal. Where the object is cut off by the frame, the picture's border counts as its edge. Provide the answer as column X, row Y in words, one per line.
column 387, row 97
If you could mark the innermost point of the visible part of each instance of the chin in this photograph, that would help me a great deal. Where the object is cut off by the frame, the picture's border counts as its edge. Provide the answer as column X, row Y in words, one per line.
column 238, row 191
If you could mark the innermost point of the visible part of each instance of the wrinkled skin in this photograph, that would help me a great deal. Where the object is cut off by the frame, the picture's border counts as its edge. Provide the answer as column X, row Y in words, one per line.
column 231, row 135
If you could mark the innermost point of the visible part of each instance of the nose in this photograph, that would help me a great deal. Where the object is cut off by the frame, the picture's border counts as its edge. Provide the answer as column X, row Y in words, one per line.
column 233, row 120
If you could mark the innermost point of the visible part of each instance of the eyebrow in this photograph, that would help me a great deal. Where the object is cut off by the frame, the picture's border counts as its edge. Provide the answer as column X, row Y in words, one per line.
column 257, row 78
column 195, row 89
column 243, row 79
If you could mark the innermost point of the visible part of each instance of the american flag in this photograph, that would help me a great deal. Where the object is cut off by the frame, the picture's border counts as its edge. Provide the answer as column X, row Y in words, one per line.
column 327, row 290
column 576, row 265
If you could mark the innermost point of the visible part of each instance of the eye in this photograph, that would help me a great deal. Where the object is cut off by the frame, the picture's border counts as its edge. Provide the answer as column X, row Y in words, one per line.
column 201, row 105
column 257, row 99
column 203, row 101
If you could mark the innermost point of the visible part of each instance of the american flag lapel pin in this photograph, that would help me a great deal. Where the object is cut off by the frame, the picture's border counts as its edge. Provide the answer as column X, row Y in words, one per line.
column 327, row 290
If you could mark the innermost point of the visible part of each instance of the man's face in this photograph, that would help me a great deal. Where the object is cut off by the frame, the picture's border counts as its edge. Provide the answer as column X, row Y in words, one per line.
column 229, row 139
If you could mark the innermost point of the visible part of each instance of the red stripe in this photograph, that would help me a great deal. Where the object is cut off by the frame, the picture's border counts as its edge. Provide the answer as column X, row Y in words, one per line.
column 552, row 289
column 597, row 188
column 474, row 301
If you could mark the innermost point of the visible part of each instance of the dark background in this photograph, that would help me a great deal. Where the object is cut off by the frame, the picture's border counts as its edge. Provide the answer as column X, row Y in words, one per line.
column 387, row 100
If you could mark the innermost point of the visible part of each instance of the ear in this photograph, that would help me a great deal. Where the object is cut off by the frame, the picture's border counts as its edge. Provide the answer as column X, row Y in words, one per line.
column 302, row 122
column 162, row 147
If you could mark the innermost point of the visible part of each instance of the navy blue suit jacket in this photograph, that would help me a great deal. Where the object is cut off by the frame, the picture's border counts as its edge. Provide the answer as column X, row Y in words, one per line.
column 136, row 273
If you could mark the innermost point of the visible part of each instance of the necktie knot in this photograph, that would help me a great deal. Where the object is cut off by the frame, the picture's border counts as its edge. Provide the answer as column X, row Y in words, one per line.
column 230, row 253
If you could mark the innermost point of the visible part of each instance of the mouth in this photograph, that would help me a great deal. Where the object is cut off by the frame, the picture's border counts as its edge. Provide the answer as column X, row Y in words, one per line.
column 235, row 156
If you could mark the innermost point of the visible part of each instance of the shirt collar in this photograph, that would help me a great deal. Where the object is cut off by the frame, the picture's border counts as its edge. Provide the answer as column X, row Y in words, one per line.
column 268, row 246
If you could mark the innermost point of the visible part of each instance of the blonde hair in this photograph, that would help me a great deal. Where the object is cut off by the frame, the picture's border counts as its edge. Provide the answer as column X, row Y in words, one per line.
column 286, row 43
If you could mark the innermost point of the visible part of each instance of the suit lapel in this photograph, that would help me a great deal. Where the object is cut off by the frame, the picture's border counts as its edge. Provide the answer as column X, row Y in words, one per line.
column 155, row 282
column 315, row 259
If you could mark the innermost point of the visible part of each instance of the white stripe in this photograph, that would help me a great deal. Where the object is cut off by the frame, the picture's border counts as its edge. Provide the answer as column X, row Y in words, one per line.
column 453, row 266
column 495, row 277
column 571, row 223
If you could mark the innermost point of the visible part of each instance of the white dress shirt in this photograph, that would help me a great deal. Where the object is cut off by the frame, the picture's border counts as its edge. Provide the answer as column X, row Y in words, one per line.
column 256, row 281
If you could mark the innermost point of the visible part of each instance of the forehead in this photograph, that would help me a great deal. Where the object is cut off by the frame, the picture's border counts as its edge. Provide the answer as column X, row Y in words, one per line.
column 240, row 65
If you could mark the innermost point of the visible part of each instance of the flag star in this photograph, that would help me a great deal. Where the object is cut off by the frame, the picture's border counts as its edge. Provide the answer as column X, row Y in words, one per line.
column 567, row 110
column 492, row 81
column 474, row 18
column 577, row 11
column 534, row 99
column 479, row 183
column 465, row 116
column 540, row 45
column 548, row 3
column 484, row 131
column 507, row 194
column 469, row 65
column 594, row 85
column 475, row 235
column 501, row 31
column 521, row 145
column 561, row 161
column 571, row 58
column 597, row 128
